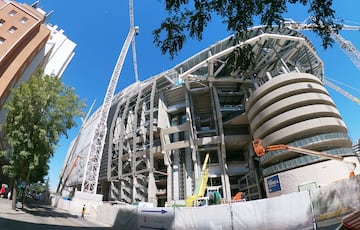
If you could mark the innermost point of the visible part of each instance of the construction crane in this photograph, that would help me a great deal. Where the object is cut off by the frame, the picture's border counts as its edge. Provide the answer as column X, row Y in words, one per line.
column 343, row 92
column 346, row 45
column 92, row 166
column 352, row 53
column 354, row 56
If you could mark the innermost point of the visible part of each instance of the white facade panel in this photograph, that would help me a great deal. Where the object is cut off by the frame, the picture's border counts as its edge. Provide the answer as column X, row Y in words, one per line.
column 62, row 51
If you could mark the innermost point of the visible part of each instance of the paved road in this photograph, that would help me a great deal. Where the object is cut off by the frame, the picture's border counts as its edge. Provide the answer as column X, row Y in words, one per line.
column 42, row 217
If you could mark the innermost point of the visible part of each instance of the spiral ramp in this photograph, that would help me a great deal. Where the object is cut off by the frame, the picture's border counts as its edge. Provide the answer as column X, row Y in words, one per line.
column 295, row 109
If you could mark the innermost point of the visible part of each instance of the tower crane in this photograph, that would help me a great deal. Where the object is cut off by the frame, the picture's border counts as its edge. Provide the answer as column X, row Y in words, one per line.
column 92, row 166
column 346, row 45
column 343, row 92
column 354, row 55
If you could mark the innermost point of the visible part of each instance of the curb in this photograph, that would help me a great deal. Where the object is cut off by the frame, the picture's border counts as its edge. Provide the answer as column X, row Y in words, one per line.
column 12, row 212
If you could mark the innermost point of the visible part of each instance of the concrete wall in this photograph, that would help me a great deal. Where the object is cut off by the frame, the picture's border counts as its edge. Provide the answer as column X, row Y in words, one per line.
column 74, row 206
column 257, row 214
column 322, row 174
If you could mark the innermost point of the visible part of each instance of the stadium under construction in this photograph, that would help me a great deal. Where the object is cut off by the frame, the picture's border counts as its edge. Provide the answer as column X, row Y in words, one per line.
column 159, row 131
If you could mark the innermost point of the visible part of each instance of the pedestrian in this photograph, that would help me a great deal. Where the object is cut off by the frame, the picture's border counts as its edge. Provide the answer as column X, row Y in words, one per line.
column 2, row 191
column 83, row 212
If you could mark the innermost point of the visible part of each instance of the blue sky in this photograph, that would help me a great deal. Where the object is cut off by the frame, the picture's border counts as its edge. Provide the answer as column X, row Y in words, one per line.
column 99, row 29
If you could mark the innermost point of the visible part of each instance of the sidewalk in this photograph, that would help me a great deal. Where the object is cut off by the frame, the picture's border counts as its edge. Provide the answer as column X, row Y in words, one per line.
column 5, row 207
column 33, row 208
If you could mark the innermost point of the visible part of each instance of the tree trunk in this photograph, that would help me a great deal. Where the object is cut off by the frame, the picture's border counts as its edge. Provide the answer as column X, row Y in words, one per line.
column 25, row 189
column 14, row 195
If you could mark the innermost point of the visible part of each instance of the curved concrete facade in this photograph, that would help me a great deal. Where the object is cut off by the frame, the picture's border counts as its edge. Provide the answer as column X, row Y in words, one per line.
column 295, row 109
column 292, row 107
column 160, row 129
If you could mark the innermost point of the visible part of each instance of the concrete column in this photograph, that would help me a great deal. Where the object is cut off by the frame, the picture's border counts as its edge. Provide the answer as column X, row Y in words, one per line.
column 163, row 122
column 194, row 154
column 152, row 189
column 169, row 190
column 189, row 173
column 175, row 163
column 222, row 150
column 175, row 168
column 151, row 184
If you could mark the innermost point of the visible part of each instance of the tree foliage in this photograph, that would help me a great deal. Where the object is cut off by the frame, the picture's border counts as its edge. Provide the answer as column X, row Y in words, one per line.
column 192, row 17
column 39, row 112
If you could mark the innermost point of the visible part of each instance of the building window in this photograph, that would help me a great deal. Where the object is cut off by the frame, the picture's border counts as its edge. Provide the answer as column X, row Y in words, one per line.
column 23, row 20
column 2, row 40
column 12, row 29
column 12, row 13
column 2, row 21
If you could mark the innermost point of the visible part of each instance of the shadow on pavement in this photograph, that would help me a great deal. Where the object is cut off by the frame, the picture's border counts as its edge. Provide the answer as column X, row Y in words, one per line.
column 7, row 224
column 45, row 211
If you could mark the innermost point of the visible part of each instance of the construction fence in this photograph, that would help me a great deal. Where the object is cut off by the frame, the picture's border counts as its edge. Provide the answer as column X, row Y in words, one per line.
column 299, row 210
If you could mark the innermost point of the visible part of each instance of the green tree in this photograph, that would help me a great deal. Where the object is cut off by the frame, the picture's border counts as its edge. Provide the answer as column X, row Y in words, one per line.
column 192, row 17
column 39, row 112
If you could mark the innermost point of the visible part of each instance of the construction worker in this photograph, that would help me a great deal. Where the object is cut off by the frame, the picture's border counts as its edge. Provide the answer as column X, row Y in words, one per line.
column 83, row 212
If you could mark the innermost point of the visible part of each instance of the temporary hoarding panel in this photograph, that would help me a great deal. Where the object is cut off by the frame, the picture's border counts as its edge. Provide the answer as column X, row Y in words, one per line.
column 291, row 211
column 205, row 217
